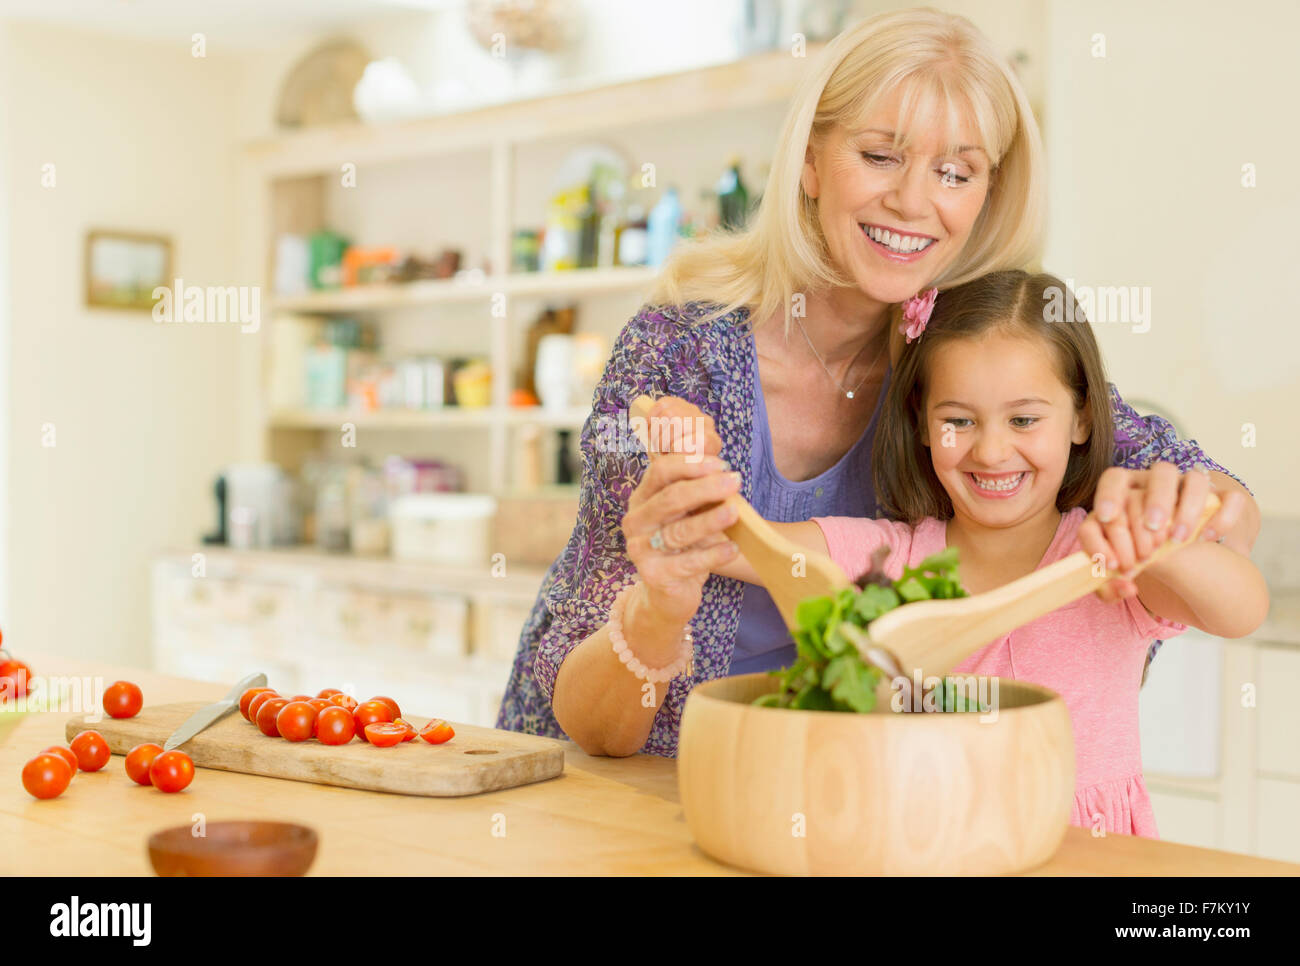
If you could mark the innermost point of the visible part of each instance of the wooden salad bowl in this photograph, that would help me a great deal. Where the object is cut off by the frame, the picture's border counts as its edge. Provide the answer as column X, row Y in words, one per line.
column 888, row 793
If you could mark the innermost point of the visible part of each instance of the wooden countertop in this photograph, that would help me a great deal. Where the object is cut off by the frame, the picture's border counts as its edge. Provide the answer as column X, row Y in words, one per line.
column 603, row 816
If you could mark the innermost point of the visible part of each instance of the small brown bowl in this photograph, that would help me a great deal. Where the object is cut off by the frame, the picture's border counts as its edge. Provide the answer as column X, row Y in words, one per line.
column 234, row 848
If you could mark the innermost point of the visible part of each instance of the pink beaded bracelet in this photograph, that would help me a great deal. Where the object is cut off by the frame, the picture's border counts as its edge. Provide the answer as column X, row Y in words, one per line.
column 653, row 675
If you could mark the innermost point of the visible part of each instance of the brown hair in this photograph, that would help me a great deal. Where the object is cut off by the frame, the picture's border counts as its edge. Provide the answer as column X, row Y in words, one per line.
column 1018, row 303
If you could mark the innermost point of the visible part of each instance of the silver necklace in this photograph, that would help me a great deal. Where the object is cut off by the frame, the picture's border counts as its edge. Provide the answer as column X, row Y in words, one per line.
column 848, row 393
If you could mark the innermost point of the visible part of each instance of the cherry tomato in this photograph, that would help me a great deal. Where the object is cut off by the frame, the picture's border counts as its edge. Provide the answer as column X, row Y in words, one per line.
column 64, row 753
column 384, row 734
column 255, row 705
column 138, row 761
column 372, row 712
column 266, row 716
column 171, row 771
column 246, row 699
column 294, row 721
column 397, row 712
column 91, row 750
column 123, row 699
column 437, row 731
column 335, row 726
column 344, row 701
column 410, row 728
column 301, row 697
column 327, row 692
column 14, row 676
column 46, row 776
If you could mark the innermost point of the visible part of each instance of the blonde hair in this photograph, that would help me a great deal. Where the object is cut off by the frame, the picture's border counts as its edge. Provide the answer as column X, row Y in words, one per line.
column 930, row 58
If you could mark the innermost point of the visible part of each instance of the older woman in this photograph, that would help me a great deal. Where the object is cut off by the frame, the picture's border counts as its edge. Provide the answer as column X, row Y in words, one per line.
column 909, row 161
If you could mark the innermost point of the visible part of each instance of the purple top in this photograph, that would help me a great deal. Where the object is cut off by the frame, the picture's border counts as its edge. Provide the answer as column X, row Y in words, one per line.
column 668, row 350
column 844, row 490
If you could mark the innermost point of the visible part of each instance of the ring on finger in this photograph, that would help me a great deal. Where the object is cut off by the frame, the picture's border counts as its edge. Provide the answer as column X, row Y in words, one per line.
column 657, row 541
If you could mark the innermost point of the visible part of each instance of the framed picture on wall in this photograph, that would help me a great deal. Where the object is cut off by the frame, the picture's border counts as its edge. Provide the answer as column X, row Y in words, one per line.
column 123, row 268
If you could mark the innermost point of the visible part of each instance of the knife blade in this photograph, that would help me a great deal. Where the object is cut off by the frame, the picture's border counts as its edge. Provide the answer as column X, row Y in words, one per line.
column 210, row 714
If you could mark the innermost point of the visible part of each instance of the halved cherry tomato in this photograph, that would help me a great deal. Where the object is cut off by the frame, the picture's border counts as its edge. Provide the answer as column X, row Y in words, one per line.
column 372, row 712
column 294, row 721
column 397, row 712
column 138, row 760
column 247, row 697
column 384, row 734
column 437, row 731
column 410, row 728
column 344, row 701
column 266, row 716
column 46, row 775
column 64, row 753
column 91, row 750
column 171, row 771
column 255, row 705
column 327, row 692
column 122, row 699
column 335, row 726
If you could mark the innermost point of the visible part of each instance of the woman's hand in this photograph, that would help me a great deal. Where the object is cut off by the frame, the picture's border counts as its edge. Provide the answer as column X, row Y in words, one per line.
column 1135, row 511
column 675, row 499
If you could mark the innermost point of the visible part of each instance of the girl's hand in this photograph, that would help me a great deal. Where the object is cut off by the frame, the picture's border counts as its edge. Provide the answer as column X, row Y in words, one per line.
column 685, row 477
column 1135, row 511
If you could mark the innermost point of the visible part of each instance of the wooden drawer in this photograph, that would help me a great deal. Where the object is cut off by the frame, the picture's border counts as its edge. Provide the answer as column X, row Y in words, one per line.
column 352, row 616
column 1278, row 683
column 1186, row 819
column 497, row 626
column 436, row 623
column 1276, row 808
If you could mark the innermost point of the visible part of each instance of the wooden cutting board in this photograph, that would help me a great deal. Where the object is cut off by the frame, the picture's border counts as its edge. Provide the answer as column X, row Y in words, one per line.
column 476, row 760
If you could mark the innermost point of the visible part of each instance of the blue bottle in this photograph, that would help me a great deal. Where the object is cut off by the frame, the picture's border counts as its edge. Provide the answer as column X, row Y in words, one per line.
column 661, row 227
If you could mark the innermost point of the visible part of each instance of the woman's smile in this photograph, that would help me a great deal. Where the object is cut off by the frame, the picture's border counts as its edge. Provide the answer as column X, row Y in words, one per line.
column 895, row 245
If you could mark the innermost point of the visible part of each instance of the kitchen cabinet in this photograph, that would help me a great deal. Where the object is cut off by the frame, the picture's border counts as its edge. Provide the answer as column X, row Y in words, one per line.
column 445, row 637
column 1279, row 711
column 1219, row 727
column 1278, row 811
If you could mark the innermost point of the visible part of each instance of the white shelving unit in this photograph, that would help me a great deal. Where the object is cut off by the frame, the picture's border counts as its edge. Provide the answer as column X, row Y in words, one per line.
column 288, row 180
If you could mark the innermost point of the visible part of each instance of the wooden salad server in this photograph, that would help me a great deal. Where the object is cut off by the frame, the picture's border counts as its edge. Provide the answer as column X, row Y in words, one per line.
column 934, row 636
column 790, row 572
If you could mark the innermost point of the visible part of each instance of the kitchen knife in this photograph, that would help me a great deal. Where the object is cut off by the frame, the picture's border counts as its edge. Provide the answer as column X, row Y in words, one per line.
column 210, row 714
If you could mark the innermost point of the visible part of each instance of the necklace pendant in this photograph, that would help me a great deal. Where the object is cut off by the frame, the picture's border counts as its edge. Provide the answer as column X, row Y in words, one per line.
column 849, row 394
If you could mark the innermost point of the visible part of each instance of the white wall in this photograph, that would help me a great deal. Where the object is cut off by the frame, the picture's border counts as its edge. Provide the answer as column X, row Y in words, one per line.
column 141, row 136
column 1146, row 148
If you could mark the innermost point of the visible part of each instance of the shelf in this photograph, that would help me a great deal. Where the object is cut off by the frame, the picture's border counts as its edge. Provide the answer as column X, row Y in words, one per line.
column 372, row 298
column 451, row 417
column 757, row 81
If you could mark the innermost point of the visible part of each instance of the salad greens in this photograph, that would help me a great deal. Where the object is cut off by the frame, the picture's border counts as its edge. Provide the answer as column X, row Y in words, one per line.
column 829, row 674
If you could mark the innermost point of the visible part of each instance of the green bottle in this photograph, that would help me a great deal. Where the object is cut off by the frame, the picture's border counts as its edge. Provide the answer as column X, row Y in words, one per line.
column 733, row 199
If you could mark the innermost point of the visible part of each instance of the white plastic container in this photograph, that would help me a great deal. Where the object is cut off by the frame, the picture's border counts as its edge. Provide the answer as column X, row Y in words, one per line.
column 443, row 528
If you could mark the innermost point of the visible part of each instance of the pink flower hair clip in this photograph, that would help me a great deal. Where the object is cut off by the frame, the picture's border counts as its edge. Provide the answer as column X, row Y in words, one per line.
column 916, row 313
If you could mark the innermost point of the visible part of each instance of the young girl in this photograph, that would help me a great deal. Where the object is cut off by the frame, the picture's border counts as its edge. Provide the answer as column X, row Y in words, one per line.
column 995, row 431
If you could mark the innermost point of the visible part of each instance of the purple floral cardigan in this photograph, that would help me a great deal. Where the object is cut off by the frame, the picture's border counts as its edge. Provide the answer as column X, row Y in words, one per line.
column 667, row 350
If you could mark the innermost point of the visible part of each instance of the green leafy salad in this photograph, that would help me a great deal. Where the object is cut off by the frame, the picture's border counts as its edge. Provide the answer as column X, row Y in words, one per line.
column 829, row 673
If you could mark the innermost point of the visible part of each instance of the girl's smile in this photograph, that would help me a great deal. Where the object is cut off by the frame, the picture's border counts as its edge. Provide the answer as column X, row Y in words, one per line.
column 997, row 486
